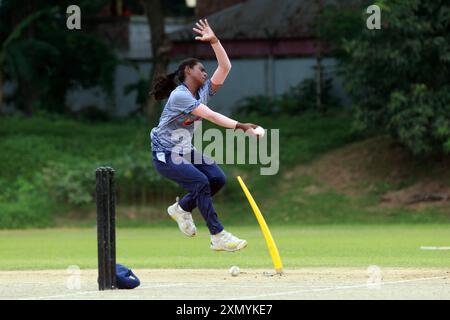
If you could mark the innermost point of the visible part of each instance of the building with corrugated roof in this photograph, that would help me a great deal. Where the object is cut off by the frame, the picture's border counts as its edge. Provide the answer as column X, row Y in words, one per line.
column 272, row 45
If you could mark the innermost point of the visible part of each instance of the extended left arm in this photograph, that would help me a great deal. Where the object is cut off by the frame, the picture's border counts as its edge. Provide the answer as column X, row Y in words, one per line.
column 206, row 113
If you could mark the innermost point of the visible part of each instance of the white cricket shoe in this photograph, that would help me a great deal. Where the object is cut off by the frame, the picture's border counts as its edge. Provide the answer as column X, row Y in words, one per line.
column 183, row 218
column 225, row 241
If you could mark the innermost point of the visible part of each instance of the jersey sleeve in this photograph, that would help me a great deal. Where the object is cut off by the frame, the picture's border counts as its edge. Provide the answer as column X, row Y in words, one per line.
column 183, row 102
column 208, row 88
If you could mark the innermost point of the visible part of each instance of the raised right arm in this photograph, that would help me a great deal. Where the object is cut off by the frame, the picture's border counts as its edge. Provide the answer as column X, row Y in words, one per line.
column 224, row 65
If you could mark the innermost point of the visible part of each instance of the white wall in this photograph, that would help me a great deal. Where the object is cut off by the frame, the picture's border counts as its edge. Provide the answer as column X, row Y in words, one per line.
column 247, row 77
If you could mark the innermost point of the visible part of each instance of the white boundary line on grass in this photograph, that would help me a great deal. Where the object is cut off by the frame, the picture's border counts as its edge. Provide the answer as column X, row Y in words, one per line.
column 434, row 248
column 268, row 295
column 365, row 285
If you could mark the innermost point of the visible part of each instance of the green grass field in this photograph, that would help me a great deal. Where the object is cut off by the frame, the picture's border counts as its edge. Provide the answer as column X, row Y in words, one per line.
column 165, row 247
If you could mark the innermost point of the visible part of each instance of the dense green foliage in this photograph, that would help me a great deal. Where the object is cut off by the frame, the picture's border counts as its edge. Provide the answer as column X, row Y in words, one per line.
column 48, row 167
column 48, row 162
column 56, row 159
column 398, row 76
column 44, row 59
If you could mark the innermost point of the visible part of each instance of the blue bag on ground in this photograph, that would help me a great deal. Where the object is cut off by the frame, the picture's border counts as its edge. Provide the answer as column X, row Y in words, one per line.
column 125, row 278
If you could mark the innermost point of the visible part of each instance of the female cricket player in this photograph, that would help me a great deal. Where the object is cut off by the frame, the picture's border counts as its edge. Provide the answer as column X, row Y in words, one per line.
column 175, row 157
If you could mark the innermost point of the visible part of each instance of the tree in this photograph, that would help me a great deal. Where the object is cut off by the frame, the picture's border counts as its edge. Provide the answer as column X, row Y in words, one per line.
column 44, row 59
column 160, row 44
column 319, row 66
column 398, row 77
column 15, row 34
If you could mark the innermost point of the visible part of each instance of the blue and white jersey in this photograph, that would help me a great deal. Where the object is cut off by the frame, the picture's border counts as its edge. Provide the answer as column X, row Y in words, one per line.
column 176, row 115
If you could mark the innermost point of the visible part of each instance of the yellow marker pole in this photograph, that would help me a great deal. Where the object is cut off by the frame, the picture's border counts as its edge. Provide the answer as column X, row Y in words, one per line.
column 264, row 228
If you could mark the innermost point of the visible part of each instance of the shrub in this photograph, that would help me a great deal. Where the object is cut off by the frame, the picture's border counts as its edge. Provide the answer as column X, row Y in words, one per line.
column 296, row 100
column 22, row 204
column 420, row 119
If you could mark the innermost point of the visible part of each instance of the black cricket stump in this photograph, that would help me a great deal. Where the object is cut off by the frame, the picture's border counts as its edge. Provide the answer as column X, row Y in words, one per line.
column 106, row 228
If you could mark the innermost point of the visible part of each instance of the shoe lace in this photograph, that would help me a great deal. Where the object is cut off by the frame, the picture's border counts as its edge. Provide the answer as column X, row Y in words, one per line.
column 227, row 236
column 187, row 216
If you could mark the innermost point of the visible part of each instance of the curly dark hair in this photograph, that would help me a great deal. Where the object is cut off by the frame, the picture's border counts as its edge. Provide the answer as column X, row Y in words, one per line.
column 165, row 83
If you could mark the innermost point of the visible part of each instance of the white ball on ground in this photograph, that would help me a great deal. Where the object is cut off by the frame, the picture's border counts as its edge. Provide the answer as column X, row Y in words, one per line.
column 259, row 131
column 234, row 271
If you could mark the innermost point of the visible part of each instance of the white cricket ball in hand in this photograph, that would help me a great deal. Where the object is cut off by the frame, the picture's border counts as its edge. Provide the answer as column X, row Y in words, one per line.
column 259, row 131
column 234, row 271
